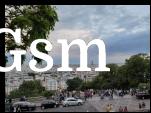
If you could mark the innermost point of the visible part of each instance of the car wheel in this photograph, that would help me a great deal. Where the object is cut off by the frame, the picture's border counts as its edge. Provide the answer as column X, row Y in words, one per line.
column 42, row 107
column 66, row 105
column 79, row 104
column 29, row 109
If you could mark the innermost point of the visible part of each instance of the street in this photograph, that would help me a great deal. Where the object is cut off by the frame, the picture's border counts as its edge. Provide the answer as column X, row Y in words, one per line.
column 97, row 105
column 87, row 107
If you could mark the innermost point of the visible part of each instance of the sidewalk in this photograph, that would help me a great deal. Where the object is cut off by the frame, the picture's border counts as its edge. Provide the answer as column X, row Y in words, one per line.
column 130, row 102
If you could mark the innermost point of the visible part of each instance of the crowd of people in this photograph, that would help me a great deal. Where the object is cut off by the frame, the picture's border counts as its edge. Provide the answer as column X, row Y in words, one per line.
column 61, row 96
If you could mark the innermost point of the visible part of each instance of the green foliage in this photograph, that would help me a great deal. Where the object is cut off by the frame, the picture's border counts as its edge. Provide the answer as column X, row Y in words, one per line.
column 28, row 89
column 130, row 75
column 136, row 70
column 144, row 86
column 106, row 80
column 74, row 84
column 86, row 85
column 48, row 94
column 35, row 22
column 15, row 94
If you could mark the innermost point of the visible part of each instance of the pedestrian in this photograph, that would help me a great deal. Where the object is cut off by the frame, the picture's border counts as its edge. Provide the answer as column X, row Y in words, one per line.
column 68, row 94
column 102, row 96
column 10, row 108
column 72, row 95
column 52, row 97
column 111, row 108
column 108, row 108
column 91, row 94
column 120, row 109
column 10, row 100
column 125, row 109
column 112, row 94
column 85, row 95
column 94, row 93
column 140, row 106
column 143, row 104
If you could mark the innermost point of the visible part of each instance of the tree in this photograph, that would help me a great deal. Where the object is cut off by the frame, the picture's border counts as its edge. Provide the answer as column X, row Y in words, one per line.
column 108, row 79
column 86, row 85
column 122, row 78
column 137, row 69
column 74, row 84
column 143, row 86
column 35, row 22
column 48, row 94
column 28, row 89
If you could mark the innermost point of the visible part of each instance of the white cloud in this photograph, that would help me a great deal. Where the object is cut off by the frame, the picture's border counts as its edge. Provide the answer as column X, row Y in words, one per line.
column 119, row 30
column 118, row 57
column 112, row 23
column 69, row 35
column 105, row 22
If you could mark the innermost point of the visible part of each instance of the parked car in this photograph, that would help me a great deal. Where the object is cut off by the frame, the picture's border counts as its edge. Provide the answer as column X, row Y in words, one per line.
column 72, row 102
column 142, row 95
column 24, row 106
column 49, row 104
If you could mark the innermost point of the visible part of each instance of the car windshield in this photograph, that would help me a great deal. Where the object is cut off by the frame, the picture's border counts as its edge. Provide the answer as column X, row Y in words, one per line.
column 71, row 99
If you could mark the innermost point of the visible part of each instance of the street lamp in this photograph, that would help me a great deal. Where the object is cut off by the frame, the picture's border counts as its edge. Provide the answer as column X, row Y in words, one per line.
column 85, row 78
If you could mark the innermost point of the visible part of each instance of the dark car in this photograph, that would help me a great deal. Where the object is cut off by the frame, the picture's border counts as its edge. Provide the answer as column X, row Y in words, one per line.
column 49, row 104
column 24, row 106
column 142, row 95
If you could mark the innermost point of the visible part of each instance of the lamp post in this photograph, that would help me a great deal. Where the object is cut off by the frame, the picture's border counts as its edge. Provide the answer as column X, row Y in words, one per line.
column 85, row 78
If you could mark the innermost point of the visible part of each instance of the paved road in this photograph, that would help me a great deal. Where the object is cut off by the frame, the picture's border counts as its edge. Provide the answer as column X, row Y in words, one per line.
column 130, row 102
column 87, row 107
column 97, row 105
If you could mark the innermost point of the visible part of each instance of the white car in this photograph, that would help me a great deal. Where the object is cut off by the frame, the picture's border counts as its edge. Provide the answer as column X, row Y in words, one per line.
column 72, row 102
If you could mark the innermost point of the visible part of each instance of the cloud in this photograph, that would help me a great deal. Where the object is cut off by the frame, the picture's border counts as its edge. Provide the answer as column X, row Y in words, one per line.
column 103, row 20
column 125, row 30
column 118, row 57
column 119, row 30
column 69, row 35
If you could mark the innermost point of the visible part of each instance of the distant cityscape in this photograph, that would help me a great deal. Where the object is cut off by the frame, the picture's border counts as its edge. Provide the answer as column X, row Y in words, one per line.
column 51, row 80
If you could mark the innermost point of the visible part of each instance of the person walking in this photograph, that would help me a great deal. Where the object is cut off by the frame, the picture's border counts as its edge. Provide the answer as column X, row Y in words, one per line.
column 111, row 108
column 140, row 106
column 143, row 105
column 125, row 109
column 102, row 96
column 108, row 108
column 91, row 94
column 85, row 95
column 120, row 109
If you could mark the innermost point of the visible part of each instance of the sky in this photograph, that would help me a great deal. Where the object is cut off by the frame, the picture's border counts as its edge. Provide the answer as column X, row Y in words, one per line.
column 125, row 30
